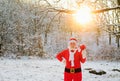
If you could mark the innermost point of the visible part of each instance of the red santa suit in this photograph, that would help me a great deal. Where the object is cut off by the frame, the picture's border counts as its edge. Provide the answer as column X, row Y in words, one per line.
column 72, row 67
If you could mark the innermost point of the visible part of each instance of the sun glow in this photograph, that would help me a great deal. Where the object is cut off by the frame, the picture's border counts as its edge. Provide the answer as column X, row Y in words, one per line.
column 83, row 15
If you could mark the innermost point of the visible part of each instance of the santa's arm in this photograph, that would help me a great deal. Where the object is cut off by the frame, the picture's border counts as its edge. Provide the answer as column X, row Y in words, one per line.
column 83, row 53
column 59, row 56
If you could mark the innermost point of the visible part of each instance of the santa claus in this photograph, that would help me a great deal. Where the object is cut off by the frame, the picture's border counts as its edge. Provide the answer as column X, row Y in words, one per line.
column 73, row 56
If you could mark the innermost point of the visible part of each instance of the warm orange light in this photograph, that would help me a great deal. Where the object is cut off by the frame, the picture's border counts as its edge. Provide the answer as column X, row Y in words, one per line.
column 83, row 15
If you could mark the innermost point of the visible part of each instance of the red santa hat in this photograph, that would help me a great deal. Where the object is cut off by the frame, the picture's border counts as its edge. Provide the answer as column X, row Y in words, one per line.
column 72, row 39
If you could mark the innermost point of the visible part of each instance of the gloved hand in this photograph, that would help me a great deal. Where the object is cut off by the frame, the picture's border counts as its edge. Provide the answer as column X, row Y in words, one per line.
column 82, row 47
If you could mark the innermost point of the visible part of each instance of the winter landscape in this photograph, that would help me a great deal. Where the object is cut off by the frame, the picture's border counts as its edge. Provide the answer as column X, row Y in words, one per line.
column 33, row 32
column 36, row 69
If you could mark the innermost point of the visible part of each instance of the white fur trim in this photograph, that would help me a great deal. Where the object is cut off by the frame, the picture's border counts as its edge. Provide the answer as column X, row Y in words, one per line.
column 73, row 41
column 84, row 53
column 78, row 49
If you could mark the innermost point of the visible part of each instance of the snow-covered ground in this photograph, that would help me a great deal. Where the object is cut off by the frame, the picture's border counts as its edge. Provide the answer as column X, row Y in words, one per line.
column 52, row 70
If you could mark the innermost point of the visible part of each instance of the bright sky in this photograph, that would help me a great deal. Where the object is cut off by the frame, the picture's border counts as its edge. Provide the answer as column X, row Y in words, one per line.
column 83, row 15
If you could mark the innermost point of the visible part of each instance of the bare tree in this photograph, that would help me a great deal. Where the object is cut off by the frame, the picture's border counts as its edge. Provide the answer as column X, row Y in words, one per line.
column 37, row 27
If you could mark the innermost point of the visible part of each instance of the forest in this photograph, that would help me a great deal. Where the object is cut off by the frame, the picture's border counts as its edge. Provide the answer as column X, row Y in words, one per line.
column 43, row 27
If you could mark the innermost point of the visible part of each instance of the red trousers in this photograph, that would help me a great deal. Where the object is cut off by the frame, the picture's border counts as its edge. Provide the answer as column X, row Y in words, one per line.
column 73, row 76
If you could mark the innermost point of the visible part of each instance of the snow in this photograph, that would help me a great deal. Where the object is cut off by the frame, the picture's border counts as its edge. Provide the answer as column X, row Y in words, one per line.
column 101, row 65
column 52, row 70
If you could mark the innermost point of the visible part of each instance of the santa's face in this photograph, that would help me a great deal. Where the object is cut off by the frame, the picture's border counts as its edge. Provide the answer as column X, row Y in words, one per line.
column 72, row 45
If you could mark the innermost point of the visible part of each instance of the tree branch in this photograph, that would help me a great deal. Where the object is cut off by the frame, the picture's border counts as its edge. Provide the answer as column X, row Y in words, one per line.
column 106, row 9
column 94, row 11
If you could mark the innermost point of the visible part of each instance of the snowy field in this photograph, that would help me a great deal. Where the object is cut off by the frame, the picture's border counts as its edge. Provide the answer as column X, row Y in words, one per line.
column 52, row 70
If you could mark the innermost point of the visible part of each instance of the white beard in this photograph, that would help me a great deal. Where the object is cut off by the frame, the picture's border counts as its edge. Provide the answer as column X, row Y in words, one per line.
column 71, row 56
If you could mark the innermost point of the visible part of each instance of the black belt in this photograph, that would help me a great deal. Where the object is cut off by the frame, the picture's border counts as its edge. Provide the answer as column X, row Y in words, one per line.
column 73, row 70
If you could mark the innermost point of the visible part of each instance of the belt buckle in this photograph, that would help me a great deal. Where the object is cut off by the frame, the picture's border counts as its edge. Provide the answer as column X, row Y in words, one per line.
column 72, row 70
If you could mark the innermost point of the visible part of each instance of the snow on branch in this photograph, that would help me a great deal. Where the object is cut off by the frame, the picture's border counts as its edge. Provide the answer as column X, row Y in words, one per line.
column 106, row 9
column 74, row 11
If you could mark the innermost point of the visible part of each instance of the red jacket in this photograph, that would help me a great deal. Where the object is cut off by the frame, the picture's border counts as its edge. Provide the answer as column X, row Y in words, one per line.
column 78, row 59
